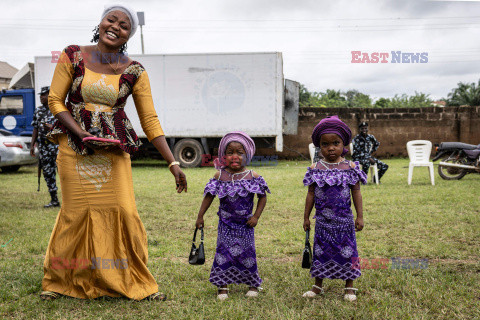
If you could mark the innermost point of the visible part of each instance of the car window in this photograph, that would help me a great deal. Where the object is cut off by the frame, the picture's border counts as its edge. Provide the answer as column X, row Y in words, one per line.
column 11, row 105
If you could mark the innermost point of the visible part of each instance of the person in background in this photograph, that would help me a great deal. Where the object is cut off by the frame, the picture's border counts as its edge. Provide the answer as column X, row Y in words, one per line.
column 42, row 122
column 364, row 145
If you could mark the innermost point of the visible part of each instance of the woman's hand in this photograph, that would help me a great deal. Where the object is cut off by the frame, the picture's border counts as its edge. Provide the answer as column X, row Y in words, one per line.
column 252, row 222
column 180, row 178
column 306, row 224
column 32, row 149
column 83, row 134
column 199, row 223
column 358, row 224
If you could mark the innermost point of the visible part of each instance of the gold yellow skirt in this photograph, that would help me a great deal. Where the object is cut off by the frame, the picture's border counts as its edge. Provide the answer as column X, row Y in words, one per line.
column 98, row 246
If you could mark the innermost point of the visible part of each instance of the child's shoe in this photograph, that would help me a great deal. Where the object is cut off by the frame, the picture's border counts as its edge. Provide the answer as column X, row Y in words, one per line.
column 350, row 297
column 311, row 294
column 252, row 293
column 222, row 296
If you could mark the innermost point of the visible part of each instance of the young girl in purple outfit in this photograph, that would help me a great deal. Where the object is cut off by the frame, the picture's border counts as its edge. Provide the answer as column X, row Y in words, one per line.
column 235, row 258
column 331, row 182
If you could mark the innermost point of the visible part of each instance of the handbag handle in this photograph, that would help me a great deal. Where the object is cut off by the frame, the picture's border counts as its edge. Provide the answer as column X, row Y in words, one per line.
column 195, row 235
column 307, row 237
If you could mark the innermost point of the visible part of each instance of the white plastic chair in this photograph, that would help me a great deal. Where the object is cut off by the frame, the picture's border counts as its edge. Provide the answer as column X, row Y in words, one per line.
column 373, row 168
column 419, row 154
column 311, row 149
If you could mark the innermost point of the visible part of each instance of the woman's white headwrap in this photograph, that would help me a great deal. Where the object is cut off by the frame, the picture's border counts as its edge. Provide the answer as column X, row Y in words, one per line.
column 132, row 15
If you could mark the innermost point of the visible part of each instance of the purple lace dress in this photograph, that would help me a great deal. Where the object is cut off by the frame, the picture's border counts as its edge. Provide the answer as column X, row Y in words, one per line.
column 334, row 243
column 235, row 259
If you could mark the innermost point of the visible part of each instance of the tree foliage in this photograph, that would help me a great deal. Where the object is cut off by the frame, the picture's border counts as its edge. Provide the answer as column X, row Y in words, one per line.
column 465, row 94
column 355, row 99
column 419, row 100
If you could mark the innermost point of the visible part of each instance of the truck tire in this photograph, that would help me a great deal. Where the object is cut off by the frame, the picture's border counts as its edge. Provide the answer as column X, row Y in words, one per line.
column 10, row 169
column 188, row 152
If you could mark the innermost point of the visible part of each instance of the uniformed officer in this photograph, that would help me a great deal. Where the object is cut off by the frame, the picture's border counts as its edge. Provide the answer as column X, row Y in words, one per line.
column 364, row 145
column 42, row 123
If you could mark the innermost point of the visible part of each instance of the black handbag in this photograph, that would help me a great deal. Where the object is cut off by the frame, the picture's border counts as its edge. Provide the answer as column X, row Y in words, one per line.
column 307, row 252
column 197, row 255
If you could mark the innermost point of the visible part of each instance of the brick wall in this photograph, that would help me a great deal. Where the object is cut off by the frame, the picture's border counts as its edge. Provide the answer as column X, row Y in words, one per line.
column 392, row 127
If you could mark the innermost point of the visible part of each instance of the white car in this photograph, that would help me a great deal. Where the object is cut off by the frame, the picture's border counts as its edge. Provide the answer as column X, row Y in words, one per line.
column 14, row 152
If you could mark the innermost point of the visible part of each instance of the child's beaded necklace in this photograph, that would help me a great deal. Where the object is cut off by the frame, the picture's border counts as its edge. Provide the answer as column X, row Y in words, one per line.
column 245, row 173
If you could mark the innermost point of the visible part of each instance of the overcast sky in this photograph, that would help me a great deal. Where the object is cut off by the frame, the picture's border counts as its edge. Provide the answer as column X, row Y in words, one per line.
column 316, row 37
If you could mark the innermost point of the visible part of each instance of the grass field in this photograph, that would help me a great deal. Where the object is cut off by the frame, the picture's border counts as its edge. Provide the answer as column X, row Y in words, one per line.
column 440, row 223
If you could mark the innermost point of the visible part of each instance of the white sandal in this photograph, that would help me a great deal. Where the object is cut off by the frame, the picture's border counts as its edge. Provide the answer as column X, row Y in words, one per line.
column 253, row 294
column 222, row 296
column 350, row 297
column 311, row 294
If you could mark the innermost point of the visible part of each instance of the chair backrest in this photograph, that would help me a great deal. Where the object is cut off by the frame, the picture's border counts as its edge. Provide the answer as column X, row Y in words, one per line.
column 419, row 150
column 311, row 149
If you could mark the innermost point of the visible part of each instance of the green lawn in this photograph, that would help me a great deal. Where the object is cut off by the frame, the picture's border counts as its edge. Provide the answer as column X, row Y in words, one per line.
column 440, row 223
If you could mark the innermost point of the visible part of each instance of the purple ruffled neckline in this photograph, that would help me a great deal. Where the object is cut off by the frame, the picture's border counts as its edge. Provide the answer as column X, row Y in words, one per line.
column 334, row 176
column 237, row 187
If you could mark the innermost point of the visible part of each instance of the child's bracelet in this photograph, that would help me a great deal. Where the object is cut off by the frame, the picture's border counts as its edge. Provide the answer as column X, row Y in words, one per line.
column 173, row 163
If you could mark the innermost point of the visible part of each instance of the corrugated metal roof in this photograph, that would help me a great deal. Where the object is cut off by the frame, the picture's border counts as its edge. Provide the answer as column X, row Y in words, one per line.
column 7, row 71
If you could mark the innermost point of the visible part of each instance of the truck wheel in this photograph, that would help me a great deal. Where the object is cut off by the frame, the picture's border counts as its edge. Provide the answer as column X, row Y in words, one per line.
column 188, row 152
column 10, row 169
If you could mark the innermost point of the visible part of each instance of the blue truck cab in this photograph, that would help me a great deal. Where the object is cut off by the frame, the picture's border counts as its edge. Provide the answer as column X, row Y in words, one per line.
column 16, row 111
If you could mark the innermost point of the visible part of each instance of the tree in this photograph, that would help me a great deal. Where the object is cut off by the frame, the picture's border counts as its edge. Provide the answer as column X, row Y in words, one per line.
column 304, row 96
column 419, row 100
column 382, row 103
column 357, row 99
column 354, row 99
column 465, row 94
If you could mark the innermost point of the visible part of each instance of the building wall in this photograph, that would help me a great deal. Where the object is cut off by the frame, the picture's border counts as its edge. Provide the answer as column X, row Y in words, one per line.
column 4, row 83
column 393, row 127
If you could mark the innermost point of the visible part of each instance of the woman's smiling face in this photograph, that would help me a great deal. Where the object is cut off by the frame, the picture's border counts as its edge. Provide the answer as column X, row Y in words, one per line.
column 115, row 29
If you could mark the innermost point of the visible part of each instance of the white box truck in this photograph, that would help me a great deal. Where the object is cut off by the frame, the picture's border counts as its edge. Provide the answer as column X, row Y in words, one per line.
column 201, row 97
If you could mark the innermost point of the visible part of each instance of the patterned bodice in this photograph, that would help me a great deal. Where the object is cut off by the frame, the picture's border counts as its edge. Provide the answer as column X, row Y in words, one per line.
column 332, row 187
column 236, row 194
column 98, row 100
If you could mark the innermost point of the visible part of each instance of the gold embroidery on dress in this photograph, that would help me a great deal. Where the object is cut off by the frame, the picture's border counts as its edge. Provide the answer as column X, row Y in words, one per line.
column 96, row 169
column 99, row 93
column 101, row 97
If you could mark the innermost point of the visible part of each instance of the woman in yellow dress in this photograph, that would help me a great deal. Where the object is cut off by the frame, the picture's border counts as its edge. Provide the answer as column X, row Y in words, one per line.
column 98, row 246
